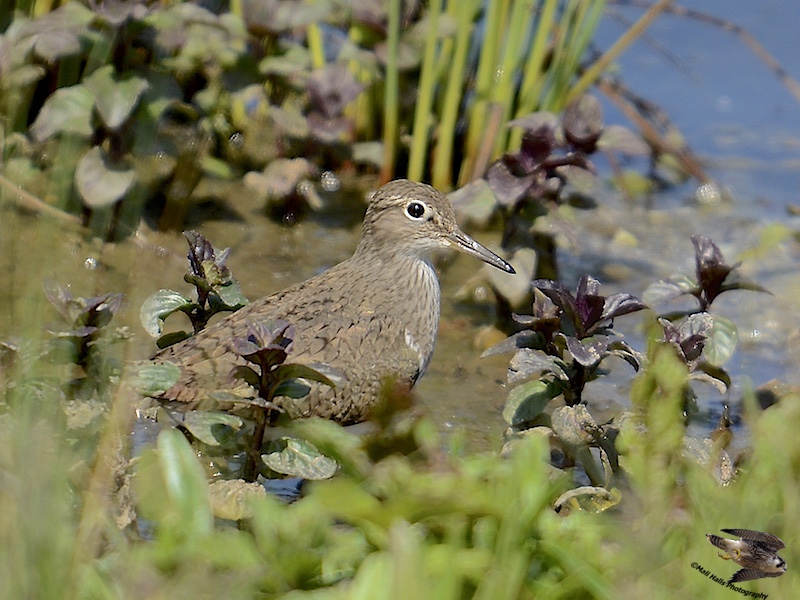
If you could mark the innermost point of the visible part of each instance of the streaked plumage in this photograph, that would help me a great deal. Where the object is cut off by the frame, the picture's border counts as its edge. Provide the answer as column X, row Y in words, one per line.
column 373, row 317
column 755, row 551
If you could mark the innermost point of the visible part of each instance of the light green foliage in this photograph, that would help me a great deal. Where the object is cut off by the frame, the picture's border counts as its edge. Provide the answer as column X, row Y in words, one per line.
column 427, row 524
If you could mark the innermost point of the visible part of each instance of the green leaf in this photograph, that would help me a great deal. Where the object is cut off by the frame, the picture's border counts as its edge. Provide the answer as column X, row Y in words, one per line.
column 159, row 306
column 231, row 294
column 526, row 402
column 292, row 389
column 67, row 110
column 100, row 181
column 721, row 341
column 209, row 427
column 592, row 498
column 233, row 499
column 217, row 168
column 186, row 485
column 295, row 371
column 114, row 98
column 299, row 458
column 151, row 378
column 171, row 490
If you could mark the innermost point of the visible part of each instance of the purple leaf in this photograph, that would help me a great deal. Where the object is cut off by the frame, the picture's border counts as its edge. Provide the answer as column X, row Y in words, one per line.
column 507, row 187
column 528, row 363
column 332, row 88
column 626, row 353
column 587, row 354
column 621, row 304
column 536, row 146
column 521, row 339
column 662, row 292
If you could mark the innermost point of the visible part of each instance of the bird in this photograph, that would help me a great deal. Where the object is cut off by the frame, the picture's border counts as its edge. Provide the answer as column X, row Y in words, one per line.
column 755, row 551
column 372, row 317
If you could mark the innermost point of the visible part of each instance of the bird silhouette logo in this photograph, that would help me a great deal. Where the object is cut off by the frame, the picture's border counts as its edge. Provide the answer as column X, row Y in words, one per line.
column 756, row 552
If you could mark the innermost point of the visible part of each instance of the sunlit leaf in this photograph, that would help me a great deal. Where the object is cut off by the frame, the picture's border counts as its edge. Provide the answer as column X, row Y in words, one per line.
column 233, row 499
column 587, row 353
column 662, row 292
column 617, row 305
column 100, row 181
column 208, row 426
column 115, row 96
column 158, row 306
column 514, row 288
column 721, row 341
column 67, row 110
column 574, row 425
column 231, row 294
column 299, row 458
column 474, row 203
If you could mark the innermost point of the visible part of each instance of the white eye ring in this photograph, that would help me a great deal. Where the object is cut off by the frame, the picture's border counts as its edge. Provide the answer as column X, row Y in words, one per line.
column 416, row 210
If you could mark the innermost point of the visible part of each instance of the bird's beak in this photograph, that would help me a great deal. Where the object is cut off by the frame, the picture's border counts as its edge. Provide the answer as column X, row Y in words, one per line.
column 466, row 244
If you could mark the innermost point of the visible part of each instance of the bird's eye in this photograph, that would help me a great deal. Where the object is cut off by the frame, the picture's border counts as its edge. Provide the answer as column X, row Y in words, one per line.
column 415, row 210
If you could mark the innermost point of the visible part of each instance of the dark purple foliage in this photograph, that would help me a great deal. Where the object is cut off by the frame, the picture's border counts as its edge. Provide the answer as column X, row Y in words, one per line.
column 537, row 170
column 569, row 339
column 712, row 277
column 84, row 319
column 587, row 312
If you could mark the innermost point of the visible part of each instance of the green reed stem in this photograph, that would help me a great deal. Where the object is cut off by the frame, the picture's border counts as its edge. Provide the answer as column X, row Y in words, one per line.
column 441, row 176
column 534, row 77
column 487, row 67
column 427, row 84
column 315, row 46
column 361, row 110
column 503, row 91
column 391, row 92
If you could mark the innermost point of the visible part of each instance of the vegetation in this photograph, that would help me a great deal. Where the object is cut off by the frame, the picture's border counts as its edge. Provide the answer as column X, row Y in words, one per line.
column 109, row 110
column 133, row 105
column 407, row 513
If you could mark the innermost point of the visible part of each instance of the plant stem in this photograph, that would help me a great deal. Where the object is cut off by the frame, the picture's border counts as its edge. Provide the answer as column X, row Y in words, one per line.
column 427, row 83
column 391, row 91
column 315, row 46
column 534, row 77
column 441, row 176
column 487, row 68
column 250, row 471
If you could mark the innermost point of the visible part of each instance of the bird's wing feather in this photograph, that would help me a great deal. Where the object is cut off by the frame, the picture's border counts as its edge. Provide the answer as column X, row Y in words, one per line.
column 766, row 539
column 750, row 573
